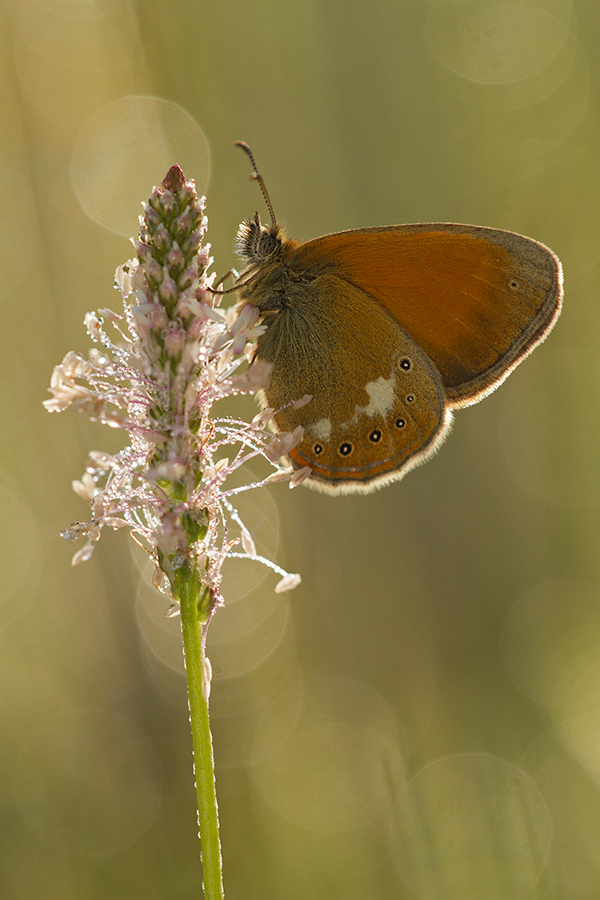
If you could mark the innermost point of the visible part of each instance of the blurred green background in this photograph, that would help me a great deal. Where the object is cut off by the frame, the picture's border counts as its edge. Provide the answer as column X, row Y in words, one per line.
column 421, row 717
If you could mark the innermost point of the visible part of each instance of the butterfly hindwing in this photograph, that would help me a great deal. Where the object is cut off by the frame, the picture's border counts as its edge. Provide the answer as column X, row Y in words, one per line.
column 378, row 406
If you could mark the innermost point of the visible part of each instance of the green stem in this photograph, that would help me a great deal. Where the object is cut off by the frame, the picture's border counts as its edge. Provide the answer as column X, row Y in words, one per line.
column 208, row 817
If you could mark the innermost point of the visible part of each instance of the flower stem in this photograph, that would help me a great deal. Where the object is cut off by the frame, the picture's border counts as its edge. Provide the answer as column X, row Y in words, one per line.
column 208, row 817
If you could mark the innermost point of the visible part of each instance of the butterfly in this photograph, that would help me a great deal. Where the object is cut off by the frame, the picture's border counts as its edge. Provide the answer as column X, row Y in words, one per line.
column 389, row 329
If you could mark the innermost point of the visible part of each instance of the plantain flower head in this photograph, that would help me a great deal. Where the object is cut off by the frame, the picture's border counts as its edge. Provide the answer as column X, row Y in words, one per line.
column 156, row 371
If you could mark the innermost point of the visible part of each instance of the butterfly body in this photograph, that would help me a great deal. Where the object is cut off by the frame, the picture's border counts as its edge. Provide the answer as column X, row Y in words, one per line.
column 390, row 329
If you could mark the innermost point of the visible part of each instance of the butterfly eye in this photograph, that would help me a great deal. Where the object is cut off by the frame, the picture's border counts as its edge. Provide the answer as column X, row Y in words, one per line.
column 400, row 423
column 318, row 449
column 410, row 398
column 266, row 245
column 345, row 449
column 405, row 364
column 375, row 436
column 255, row 241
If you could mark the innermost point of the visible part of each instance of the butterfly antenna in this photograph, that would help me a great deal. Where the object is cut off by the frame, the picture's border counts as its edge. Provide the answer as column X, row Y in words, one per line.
column 257, row 177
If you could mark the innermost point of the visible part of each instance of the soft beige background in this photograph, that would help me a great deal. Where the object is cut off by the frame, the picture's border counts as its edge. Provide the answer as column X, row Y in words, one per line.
column 421, row 717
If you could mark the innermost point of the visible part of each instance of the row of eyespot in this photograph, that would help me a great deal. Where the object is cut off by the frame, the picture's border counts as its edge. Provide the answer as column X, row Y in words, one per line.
column 346, row 448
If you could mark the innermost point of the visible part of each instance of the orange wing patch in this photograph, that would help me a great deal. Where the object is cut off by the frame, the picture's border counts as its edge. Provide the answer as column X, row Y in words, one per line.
column 476, row 300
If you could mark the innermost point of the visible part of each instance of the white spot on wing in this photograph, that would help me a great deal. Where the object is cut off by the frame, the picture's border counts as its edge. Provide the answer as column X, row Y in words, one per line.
column 321, row 429
column 381, row 393
column 381, row 398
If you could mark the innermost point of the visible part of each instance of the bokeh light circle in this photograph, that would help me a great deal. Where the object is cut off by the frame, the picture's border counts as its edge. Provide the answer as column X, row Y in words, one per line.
column 335, row 771
column 126, row 148
column 469, row 827
column 497, row 43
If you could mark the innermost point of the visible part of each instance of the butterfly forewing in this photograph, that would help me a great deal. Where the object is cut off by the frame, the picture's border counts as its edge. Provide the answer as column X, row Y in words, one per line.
column 477, row 300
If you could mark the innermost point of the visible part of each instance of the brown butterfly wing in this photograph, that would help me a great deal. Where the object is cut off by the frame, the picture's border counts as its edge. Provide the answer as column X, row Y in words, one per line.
column 378, row 406
column 477, row 300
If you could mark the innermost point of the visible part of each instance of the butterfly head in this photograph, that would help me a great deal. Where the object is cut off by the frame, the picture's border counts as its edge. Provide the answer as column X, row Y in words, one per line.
column 256, row 243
